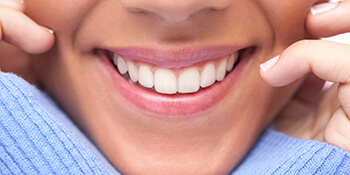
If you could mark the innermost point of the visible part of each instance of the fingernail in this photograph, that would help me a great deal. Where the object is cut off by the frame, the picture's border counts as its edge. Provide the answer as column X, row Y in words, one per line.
column 269, row 64
column 325, row 7
column 49, row 30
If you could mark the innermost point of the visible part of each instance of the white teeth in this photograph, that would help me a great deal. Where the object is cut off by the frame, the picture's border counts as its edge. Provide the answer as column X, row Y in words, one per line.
column 221, row 70
column 231, row 61
column 119, row 61
column 208, row 76
column 133, row 72
column 146, row 76
column 165, row 81
column 189, row 81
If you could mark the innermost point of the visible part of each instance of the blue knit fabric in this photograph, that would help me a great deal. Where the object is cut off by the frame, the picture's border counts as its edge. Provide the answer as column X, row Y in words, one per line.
column 35, row 140
column 36, row 137
column 277, row 153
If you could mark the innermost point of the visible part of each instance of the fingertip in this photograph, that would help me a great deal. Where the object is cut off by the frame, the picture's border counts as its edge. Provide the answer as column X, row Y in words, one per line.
column 269, row 64
column 324, row 7
column 48, row 30
column 265, row 72
column 279, row 70
column 44, row 41
column 328, row 19
column 48, row 41
column 47, row 44
column 18, row 29
column 17, row 5
column 263, row 76
column 262, row 68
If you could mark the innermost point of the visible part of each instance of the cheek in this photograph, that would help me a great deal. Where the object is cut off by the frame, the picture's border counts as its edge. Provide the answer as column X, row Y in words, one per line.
column 59, row 15
column 287, row 17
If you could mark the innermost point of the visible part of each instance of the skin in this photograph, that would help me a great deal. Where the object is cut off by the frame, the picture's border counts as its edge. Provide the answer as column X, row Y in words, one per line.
column 135, row 141
column 329, row 121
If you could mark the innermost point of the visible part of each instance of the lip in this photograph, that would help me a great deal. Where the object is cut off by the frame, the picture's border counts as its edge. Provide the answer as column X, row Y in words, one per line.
column 175, row 58
column 179, row 105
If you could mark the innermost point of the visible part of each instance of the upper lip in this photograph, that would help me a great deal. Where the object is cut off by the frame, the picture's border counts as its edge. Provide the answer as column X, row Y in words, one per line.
column 175, row 58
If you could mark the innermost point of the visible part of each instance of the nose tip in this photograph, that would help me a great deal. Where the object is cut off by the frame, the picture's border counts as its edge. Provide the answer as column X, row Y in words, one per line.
column 174, row 10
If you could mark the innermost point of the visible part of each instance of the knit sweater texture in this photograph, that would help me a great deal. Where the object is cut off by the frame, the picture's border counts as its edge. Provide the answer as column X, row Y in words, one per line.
column 37, row 137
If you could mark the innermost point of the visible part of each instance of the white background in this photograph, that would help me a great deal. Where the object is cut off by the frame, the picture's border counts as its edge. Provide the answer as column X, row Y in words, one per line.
column 343, row 38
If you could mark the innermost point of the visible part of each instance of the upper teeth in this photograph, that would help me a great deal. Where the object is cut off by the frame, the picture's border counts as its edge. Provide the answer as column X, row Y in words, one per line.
column 169, row 81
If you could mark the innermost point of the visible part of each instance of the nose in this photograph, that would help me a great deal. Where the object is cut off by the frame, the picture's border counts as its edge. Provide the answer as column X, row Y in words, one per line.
column 174, row 10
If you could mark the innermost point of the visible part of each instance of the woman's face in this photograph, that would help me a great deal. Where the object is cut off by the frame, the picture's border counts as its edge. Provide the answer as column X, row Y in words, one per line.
column 182, row 123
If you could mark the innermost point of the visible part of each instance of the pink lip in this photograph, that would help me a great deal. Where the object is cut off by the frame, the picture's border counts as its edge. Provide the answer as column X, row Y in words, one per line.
column 174, row 106
column 183, row 57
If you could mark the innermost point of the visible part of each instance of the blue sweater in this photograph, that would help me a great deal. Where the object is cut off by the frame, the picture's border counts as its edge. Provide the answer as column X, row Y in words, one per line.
column 36, row 137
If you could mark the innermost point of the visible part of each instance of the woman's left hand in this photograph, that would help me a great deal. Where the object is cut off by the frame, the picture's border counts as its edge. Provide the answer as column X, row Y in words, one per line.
column 308, row 115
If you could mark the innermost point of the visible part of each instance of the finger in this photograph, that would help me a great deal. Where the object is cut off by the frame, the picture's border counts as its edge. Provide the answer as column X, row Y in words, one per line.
column 20, row 30
column 327, row 60
column 329, row 19
column 337, row 130
column 15, row 4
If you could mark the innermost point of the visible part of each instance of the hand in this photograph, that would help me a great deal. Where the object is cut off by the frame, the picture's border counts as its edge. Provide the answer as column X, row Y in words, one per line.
column 18, row 29
column 313, row 114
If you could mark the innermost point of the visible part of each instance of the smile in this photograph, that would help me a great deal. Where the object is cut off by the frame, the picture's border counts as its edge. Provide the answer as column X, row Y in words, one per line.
column 175, row 83
column 171, row 81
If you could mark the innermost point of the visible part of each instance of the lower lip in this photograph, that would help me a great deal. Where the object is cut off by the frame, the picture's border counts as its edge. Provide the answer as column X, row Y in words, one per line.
column 178, row 105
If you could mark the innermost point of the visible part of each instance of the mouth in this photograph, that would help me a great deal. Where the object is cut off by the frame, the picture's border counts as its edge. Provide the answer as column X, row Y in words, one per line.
column 175, row 83
column 171, row 81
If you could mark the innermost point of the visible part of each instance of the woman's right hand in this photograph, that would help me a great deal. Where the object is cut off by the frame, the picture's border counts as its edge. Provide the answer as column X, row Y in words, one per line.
column 18, row 29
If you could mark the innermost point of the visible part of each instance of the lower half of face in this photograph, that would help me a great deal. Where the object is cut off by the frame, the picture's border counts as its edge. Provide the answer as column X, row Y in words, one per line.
column 162, row 94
